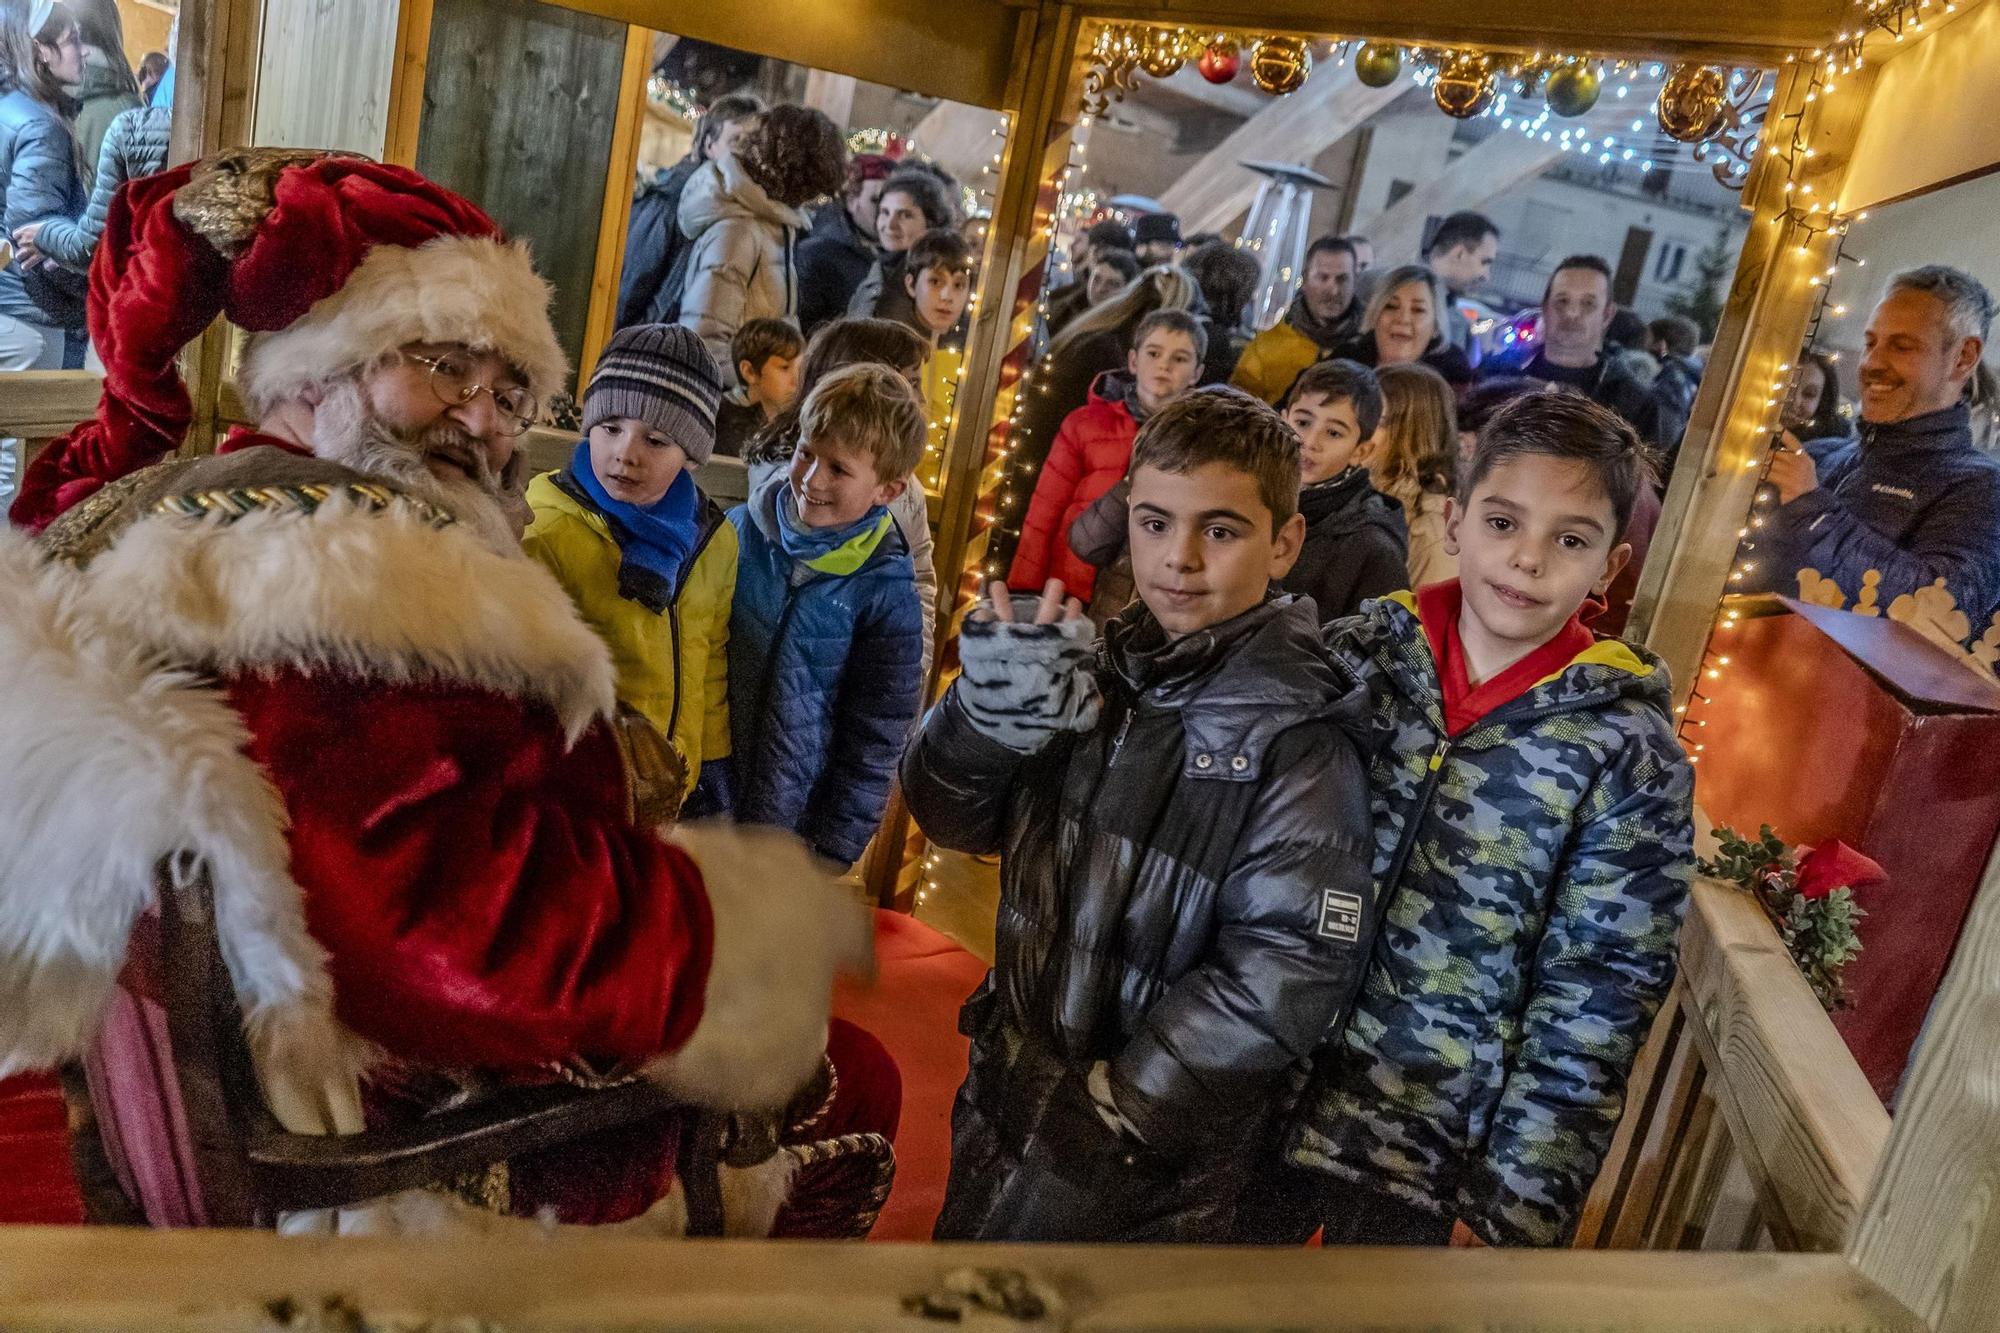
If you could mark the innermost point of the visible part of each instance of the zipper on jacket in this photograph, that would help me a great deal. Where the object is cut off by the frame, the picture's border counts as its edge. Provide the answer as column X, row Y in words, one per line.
column 1408, row 842
column 674, row 622
column 1118, row 741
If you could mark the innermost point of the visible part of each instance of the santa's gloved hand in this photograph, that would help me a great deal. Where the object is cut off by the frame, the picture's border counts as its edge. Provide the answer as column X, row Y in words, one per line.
column 1028, row 668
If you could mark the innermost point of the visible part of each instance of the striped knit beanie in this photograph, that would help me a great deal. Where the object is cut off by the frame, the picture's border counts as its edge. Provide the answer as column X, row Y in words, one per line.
column 663, row 375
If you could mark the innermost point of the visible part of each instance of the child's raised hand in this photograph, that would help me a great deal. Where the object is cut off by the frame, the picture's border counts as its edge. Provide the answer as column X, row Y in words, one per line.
column 1024, row 683
column 1052, row 608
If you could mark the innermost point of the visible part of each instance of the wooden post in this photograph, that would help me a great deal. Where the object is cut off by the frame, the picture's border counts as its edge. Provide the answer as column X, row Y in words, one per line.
column 1033, row 152
column 1491, row 168
column 406, row 84
column 1727, row 437
column 1930, row 1232
column 215, row 83
column 617, row 201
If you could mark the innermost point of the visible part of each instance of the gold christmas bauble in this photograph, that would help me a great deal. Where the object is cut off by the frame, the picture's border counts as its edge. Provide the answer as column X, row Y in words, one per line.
column 1693, row 101
column 1572, row 90
column 1378, row 63
column 1162, row 51
column 1464, row 86
column 1280, row 64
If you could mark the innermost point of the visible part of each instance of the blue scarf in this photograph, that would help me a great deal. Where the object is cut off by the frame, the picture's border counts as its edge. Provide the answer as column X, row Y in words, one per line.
column 654, row 541
column 838, row 551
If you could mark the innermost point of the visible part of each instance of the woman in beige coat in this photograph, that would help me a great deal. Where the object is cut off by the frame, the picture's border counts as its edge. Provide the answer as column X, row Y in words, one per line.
column 743, row 215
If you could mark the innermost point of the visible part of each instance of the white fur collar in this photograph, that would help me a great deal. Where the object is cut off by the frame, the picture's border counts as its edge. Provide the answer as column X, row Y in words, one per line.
column 382, row 595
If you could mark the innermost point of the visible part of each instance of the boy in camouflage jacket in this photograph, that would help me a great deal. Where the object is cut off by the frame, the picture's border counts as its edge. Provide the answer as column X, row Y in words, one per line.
column 1533, row 854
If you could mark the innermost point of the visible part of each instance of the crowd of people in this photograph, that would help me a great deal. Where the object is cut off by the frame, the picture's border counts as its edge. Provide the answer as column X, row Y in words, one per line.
column 77, row 120
column 1342, row 843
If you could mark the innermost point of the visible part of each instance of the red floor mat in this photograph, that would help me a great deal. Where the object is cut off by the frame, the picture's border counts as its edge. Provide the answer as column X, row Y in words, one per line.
column 36, row 1184
column 913, row 1010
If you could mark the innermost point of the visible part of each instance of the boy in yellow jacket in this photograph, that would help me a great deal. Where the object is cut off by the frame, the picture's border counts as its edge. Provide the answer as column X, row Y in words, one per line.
column 648, row 558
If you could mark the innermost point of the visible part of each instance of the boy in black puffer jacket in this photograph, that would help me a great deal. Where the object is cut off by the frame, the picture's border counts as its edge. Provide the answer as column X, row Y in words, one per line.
column 1357, row 545
column 1185, row 901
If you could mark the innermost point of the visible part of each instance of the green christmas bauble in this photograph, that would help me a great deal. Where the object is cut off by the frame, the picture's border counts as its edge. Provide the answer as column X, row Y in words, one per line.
column 1378, row 63
column 1572, row 90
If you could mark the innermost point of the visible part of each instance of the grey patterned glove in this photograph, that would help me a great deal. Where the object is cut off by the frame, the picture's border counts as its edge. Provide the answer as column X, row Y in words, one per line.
column 1023, row 685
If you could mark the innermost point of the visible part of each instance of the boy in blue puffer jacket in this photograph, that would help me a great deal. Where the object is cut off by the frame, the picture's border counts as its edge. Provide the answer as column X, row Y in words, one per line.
column 825, row 641
column 1533, row 850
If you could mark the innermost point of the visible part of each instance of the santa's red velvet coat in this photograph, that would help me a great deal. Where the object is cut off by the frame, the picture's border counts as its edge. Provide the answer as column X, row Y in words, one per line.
column 389, row 745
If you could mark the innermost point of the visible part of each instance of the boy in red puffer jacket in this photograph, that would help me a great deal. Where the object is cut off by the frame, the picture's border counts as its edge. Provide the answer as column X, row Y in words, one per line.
column 1094, row 447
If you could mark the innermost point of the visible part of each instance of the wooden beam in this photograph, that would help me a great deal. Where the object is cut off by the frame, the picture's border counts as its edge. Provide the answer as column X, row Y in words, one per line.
column 1480, row 174
column 618, row 186
column 1800, row 1112
column 406, row 85
column 39, row 403
column 1211, row 193
column 832, row 95
column 1930, row 1233
column 115, row 1280
column 958, row 50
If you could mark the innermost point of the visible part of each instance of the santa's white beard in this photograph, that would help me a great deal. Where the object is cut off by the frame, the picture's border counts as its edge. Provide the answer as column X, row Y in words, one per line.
column 347, row 430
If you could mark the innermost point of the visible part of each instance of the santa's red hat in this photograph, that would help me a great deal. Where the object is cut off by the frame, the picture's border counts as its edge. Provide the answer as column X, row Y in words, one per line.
column 329, row 261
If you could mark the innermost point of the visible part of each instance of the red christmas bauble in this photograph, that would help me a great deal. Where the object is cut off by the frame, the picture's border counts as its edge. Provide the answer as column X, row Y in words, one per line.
column 1220, row 61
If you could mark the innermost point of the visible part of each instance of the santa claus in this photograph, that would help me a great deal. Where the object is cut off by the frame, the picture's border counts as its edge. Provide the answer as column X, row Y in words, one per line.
column 314, row 667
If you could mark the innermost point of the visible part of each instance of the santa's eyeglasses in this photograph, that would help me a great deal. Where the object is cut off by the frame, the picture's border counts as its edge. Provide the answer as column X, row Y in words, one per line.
column 451, row 380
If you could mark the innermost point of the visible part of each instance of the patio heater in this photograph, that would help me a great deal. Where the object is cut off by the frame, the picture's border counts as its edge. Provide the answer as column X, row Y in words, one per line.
column 1275, row 234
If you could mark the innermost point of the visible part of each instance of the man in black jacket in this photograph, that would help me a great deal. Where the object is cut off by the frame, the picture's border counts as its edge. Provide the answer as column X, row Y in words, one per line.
column 1916, row 503
column 1577, row 311
column 836, row 254
column 1186, row 908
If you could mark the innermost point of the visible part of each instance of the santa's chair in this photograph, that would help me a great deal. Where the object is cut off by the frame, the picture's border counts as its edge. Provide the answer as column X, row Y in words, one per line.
column 169, row 1125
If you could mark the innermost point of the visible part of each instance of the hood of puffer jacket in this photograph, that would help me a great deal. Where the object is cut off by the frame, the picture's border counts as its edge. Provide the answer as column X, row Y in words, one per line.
column 723, row 189
column 1349, row 503
column 1608, row 674
column 1238, row 685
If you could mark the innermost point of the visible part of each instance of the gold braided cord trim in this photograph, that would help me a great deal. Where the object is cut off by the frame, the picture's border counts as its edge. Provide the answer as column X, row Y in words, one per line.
column 870, row 1148
column 236, row 502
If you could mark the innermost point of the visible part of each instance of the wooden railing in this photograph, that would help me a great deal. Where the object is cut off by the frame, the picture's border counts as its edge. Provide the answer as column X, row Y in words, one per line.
column 1748, row 1123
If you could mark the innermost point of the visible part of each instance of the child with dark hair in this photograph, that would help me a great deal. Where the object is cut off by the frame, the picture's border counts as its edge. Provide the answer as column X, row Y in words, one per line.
column 1357, row 543
column 938, row 278
column 1533, row 846
column 1182, row 821
column 765, row 353
column 1094, row 446
column 743, row 213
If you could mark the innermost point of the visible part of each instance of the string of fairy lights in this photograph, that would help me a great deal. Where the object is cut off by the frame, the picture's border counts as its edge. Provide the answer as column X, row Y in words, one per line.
column 1813, row 232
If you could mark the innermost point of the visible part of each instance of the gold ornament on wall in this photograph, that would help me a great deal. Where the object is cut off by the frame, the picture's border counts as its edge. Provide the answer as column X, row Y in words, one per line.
column 1464, row 86
column 1378, row 63
column 1280, row 65
column 1694, row 102
column 1162, row 51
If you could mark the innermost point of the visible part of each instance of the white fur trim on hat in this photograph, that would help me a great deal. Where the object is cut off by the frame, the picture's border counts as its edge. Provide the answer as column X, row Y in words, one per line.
column 456, row 289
